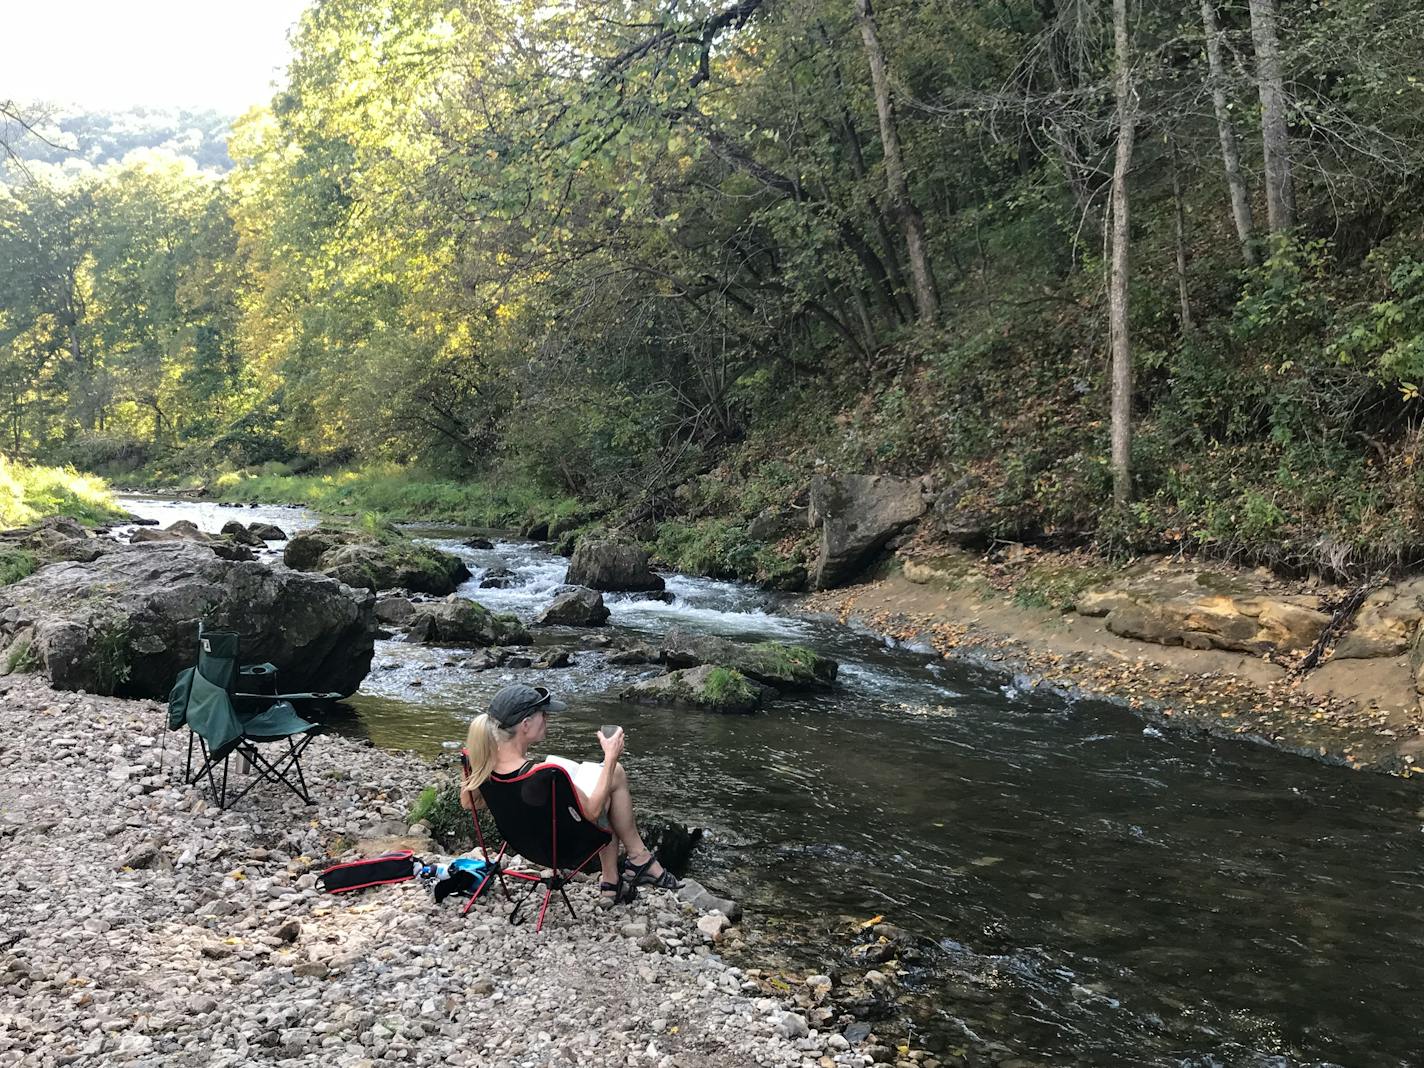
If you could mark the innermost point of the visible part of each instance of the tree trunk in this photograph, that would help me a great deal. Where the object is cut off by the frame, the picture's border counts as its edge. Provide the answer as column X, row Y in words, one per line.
column 1230, row 155
column 897, row 189
column 1275, row 132
column 1180, row 218
column 1119, row 342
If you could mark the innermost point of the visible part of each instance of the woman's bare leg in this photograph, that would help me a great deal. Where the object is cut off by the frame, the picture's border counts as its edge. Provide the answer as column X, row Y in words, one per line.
column 608, row 861
column 625, row 826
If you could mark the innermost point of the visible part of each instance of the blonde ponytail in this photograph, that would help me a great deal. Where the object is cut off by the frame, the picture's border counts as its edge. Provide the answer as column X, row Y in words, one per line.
column 482, row 743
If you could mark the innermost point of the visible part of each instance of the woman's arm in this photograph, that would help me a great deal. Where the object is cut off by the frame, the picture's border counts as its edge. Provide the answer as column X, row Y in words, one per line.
column 470, row 801
column 597, row 800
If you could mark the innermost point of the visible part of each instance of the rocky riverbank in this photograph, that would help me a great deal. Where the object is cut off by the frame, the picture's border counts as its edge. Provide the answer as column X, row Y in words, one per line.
column 1294, row 665
column 139, row 925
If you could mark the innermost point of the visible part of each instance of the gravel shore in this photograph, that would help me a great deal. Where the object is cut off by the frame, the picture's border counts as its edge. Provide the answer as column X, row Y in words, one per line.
column 140, row 925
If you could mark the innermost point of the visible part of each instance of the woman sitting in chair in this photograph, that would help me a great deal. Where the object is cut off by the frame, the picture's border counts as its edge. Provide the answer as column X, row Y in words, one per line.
column 498, row 745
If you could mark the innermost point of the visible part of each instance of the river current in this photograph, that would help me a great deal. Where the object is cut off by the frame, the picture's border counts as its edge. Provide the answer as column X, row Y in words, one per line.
column 1097, row 891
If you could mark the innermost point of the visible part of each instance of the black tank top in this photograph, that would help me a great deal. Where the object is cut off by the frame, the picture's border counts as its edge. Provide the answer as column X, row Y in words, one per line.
column 506, row 776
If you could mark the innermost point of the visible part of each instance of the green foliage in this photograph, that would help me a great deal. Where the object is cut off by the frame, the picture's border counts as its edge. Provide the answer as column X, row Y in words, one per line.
column 21, row 658
column 399, row 495
column 28, row 494
column 450, row 825
column 109, row 640
column 16, row 564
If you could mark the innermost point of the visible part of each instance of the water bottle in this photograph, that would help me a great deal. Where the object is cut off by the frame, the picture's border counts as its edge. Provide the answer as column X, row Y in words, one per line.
column 433, row 873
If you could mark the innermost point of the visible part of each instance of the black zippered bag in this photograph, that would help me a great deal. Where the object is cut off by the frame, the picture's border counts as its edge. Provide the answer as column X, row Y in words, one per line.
column 373, row 871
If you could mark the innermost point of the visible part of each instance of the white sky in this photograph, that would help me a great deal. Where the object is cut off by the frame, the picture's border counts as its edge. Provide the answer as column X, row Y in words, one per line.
column 123, row 53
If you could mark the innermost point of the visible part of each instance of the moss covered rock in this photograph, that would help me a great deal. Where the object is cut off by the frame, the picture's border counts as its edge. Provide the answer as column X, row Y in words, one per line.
column 375, row 560
column 786, row 667
column 711, row 687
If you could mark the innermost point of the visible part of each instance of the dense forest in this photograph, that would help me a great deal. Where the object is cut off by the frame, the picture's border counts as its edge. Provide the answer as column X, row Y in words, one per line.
column 1140, row 276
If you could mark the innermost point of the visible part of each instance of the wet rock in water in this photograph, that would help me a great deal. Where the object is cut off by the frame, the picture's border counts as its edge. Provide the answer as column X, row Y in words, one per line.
column 519, row 662
column 460, row 621
column 242, row 535
column 137, row 637
column 785, row 667
column 478, row 543
column 858, row 515
column 394, row 610
column 498, row 578
column 635, row 654
column 554, row 658
column 608, row 564
column 575, row 607
column 268, row 532
column 710, row 687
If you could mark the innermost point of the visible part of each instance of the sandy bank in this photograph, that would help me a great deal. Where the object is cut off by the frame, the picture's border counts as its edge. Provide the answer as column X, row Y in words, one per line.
column 1359, row 713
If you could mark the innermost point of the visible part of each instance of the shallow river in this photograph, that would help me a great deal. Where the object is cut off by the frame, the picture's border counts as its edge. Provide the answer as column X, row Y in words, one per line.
column 1101, row 892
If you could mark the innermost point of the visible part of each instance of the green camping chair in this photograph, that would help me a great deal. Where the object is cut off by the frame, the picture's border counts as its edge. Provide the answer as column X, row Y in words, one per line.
column 223, row 721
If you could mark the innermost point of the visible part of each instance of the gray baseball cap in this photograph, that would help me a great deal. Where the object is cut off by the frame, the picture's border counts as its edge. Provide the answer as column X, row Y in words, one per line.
column 518, row 702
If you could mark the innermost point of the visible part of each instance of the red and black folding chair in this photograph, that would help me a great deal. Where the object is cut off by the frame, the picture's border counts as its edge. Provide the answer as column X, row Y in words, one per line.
column 541, row 818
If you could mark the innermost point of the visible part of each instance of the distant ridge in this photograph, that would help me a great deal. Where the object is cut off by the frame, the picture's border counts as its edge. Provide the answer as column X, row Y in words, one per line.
column 71, row 132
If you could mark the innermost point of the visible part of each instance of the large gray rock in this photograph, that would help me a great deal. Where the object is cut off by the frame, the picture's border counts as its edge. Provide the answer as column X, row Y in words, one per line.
column 857, row 515
column 577, row 606
column 127, row 621
column 785, row 667
column 609, row 564
column 459, row 621
column 184, row 530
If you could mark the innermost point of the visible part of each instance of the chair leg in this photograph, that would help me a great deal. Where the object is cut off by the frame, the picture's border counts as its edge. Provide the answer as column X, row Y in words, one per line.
column 563, row 894
column 548, row 893
column 277, row 772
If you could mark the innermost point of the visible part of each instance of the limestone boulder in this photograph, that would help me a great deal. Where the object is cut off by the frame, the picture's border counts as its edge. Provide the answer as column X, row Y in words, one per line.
column 127, row 621
column 1220, row 621
column 575, row 606
column 1385, row 625
column 460, row 621
column 784, row 667
column 711, row 688
column 857, row 516
column 603, row 563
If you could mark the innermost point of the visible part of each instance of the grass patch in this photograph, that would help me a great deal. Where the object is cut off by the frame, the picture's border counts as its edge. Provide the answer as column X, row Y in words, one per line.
column 400, row 495
column 29, row 494
column 727, row 686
